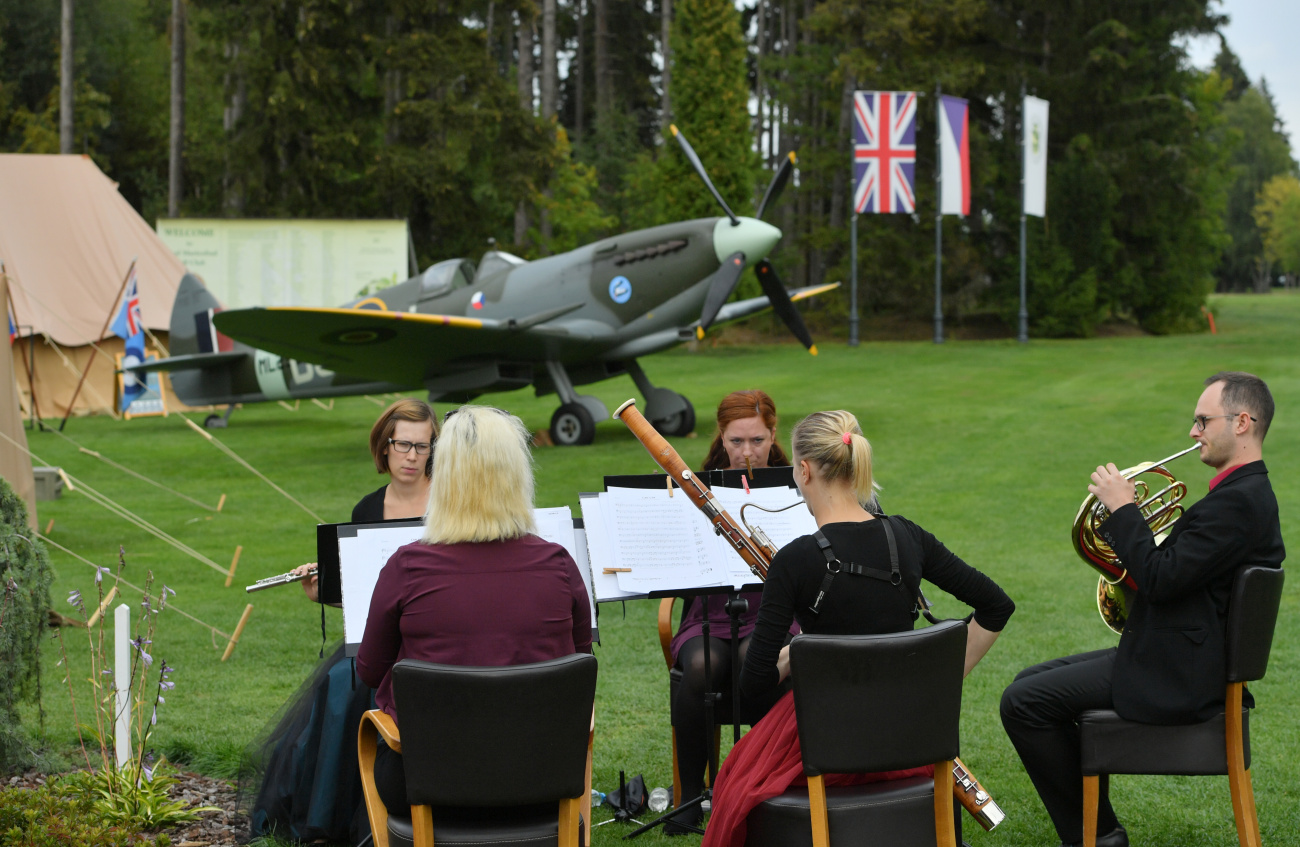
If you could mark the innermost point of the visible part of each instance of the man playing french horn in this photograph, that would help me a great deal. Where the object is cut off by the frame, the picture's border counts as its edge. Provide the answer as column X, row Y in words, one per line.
column 1169, row 667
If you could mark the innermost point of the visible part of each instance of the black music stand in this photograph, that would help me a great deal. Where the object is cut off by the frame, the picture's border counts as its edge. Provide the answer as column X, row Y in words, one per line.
column 782, row 477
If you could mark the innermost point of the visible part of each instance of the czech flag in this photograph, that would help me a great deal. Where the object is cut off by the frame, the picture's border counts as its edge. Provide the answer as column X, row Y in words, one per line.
column 954, row 158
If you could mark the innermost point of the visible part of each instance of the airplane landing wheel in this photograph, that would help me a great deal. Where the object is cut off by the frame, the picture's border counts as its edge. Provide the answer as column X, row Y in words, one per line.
column 679, row 424
column 572, row 426
column 214, row 422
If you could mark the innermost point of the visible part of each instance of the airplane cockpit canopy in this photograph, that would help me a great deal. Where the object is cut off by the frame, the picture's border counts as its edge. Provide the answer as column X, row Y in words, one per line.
column 444, row 277
column 496, row 261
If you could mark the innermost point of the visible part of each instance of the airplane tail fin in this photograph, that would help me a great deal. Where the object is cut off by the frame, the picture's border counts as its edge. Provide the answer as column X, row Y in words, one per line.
column 191, row 326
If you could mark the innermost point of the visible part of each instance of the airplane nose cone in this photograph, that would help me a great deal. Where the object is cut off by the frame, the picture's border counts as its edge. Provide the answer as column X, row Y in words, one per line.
column 751, row 236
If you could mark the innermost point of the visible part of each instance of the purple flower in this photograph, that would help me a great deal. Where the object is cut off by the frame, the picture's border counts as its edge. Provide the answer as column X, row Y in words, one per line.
column 166, row 685
column 106, row 672
column 99, row 574
column 139, row 645
column 74, row 598
column 153, row 721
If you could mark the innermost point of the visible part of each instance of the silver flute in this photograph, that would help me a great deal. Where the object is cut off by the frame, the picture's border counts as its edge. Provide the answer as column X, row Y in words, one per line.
column 282, row 579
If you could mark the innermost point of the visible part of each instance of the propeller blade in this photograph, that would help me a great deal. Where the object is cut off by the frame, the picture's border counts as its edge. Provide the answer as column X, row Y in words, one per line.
column 780, row 300
column 777, row 185
column 704, row 175
column 724, row 282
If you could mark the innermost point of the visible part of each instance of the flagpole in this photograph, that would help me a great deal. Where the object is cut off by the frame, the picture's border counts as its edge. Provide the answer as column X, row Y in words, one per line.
column 853, row 279
column 94, row 348
column 1023, row 335
column 938, row 215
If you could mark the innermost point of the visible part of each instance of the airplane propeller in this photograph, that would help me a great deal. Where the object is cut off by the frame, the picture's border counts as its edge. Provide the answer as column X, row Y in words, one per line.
column 727, row 277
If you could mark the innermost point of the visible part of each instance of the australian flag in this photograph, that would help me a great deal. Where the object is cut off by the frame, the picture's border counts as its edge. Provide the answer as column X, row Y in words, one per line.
column 884, row 151
column 128, row 325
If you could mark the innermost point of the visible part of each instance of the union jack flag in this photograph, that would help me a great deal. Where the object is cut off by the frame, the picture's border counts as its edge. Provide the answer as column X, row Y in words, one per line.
column 128, row 322
column 884, row 151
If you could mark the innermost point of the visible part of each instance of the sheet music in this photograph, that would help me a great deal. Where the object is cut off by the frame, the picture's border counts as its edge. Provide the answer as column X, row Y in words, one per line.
column 600, row 554
column 660, row 539
column 361, row 558
column 781, row 527
column 363, row 555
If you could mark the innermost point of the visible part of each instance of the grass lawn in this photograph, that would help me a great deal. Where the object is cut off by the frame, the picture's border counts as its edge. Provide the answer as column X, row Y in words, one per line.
column 987, row 444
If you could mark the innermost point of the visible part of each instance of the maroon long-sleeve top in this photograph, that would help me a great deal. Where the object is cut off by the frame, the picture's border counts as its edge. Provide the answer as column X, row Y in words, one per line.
column 489, row 603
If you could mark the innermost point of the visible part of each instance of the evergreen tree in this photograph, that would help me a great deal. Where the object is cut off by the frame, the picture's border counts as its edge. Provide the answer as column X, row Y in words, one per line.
column 25, row 578
column 710, row 97
column 1260, row 151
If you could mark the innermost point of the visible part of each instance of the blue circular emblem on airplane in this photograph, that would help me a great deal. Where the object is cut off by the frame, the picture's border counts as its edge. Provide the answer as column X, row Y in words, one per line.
column 620, row 289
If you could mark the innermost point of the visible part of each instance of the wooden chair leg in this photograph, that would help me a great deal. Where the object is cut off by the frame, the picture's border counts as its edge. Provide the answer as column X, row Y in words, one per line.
column 569, row 809
column 1239, row 782
column 585, row 802
column 677, row 772
column 367, row 745
column 422, row 824
column 1091, row 800
column 945, row 828
column 821, row 825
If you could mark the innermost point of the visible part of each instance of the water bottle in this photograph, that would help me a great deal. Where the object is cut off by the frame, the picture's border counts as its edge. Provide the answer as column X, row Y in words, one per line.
column 658, row 800
column 597, row 797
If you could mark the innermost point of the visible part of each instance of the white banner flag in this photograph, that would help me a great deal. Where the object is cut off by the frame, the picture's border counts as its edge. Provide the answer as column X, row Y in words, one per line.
column 1034, row 114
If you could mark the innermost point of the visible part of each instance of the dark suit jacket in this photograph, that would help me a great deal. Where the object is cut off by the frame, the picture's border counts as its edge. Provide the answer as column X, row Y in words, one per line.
column 1170, row 668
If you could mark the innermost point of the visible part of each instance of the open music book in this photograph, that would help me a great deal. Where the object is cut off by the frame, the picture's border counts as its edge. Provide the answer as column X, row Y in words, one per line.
column 364, row 549
column 659, row 543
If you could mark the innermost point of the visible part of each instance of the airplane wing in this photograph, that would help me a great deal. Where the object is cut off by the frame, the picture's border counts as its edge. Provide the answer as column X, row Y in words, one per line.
column 399, row 347
column 745, row 308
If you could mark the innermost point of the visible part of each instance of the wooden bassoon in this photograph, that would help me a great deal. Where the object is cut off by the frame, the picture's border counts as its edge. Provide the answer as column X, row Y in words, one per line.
column 757, row 550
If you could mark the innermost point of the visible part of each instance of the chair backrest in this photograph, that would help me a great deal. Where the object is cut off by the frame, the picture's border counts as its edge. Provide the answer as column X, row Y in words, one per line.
column 868, row 703
column 1252, row 615
column 513, row 735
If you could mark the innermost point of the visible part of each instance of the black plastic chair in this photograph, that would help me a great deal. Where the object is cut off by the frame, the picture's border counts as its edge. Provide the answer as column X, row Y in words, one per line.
column 495, row 754
column 864, row 704
column 1221, row 745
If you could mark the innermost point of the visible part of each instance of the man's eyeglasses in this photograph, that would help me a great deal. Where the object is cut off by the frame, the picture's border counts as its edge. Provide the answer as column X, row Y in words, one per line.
column 421, row 448
column 1199, row 421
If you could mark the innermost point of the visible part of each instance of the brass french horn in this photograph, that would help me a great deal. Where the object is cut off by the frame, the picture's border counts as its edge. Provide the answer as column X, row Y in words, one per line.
column 1160, row 509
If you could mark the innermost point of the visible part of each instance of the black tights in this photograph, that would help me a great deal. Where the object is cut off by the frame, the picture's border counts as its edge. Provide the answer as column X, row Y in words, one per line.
column 693, row 743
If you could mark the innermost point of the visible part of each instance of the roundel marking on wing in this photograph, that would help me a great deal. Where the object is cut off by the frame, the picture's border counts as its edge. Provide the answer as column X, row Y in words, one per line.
column 372, row 304
column 359, row 336
column 620, row 289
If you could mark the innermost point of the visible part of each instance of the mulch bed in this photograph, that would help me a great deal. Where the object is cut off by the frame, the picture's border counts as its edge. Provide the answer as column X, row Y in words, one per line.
column 213, row 829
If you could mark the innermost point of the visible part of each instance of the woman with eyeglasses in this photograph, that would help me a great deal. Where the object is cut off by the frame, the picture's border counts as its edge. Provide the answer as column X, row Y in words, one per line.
column 480, row 587
column 832, row 469
column 303, row 774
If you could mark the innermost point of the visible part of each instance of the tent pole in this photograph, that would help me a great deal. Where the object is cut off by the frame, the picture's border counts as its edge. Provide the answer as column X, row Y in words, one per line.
column 94, row 347
column 30, row 367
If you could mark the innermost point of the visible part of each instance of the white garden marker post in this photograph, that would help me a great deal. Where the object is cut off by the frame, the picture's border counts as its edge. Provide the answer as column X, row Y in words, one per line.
column 122, row 682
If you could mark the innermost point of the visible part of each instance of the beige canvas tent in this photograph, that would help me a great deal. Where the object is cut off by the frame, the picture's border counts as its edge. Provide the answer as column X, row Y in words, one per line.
column 67, row 238
column 15, row 464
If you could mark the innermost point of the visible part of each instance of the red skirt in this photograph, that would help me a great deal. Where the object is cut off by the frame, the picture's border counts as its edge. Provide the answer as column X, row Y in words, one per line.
column 765, row 763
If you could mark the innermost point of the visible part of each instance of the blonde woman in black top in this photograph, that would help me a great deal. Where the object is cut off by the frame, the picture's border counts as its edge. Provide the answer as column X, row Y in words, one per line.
column 832, row 468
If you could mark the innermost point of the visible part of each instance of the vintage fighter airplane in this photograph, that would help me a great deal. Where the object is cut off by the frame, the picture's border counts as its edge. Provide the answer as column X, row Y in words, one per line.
column 459, row 331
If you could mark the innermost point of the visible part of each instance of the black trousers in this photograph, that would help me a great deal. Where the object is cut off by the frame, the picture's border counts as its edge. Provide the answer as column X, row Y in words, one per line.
column 1040, row 712
column 693, row 742
column 390, row 780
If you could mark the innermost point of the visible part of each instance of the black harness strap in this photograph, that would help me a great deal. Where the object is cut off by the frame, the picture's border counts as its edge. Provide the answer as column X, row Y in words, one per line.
column 894, row 577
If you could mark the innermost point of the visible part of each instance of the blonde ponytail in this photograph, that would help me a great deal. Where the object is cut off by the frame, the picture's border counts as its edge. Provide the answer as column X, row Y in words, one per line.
column 834, row 442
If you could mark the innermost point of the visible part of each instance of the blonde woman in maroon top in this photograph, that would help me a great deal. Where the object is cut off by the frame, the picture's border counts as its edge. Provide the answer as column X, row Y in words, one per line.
column 480, row 588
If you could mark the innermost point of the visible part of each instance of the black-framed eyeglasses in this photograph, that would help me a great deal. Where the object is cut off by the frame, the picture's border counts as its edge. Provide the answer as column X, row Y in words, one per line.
column 1199, row 421
column 421, row 448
